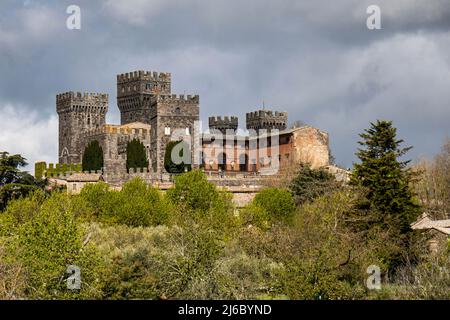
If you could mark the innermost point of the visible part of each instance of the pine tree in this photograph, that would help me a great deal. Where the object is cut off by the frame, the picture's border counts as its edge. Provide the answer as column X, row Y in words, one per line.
column 385, row 178
column 92, row 157
column 136, row 155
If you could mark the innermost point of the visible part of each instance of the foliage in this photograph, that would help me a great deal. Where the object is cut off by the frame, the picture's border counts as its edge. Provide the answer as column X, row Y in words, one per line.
column 278, row 204
column 310, row 183
column 92, row 157
column 45, row 243
column 135, row 205
column 14, row 183
column 136, row 155
column 169, row 165
column 433, row 188
column 386, row 179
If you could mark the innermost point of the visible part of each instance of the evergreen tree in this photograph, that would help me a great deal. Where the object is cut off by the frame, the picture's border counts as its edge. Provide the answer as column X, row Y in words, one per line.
column 169, row 165
column 385, row 178
column 310, row 183
column 14, row 183
column 136, row 155
column 93, row 157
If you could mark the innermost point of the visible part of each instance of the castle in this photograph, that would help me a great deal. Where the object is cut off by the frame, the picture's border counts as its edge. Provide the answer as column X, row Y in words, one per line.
column 150, row 113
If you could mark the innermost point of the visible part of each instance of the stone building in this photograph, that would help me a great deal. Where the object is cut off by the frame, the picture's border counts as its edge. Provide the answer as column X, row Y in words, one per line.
column 224, row 125
column 266, row 120
column 146, row 97
column 152, row 114
column 78, row 113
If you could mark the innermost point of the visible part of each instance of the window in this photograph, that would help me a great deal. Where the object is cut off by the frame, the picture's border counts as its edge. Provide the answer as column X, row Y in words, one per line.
column 177, row 110
column 188, row 131
column 148, row 86
column 167, row 131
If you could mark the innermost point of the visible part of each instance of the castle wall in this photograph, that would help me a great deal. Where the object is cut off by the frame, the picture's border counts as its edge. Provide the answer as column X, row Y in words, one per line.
column 172, row 114
column 114, row 141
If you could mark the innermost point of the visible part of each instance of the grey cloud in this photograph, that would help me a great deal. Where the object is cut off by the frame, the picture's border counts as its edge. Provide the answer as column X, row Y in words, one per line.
column 314, row 59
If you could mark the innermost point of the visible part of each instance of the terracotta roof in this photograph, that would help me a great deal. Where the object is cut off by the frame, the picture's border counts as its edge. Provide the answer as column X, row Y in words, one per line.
column 85, row 177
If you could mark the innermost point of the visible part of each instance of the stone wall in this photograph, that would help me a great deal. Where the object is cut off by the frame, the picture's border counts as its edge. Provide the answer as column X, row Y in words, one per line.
column 171, row 113
column 311, row 145
column 226, row 125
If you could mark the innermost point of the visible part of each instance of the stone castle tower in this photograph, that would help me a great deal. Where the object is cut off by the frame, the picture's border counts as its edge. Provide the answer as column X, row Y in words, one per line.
column 144, row 96
column 266, row 120
column 78, row 113
column 224, row 124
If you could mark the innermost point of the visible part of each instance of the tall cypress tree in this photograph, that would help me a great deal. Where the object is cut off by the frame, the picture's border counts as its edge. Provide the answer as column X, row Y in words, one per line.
column 169, row 165
column 385, row 177
column 92, row 157
column 136, row 155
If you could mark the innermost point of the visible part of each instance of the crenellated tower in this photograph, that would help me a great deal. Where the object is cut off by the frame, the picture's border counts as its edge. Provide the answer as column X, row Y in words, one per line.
column 266, row 120
column 145, row 96
column 136, row 93
column 224, row 125
column 78, row 113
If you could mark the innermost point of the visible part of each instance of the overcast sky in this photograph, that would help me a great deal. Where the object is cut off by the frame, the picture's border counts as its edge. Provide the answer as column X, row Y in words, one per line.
column 314, row 59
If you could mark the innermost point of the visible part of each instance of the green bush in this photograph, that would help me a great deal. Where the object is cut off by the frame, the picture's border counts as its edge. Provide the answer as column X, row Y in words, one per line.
column 45, row 243
column 278, row 203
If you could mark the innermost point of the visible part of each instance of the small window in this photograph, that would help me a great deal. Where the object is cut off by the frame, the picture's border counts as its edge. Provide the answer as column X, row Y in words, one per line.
column 178, row 110
column 148, row 86
column 74, row 186
column 167, row 131
column 188, row 131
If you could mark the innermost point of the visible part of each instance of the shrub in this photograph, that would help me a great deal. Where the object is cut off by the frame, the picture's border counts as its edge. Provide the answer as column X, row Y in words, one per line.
column 278, row 203
column 46, row 244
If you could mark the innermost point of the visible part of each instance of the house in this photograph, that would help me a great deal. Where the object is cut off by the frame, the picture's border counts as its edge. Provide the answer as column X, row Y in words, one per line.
column 438, row 231
column 77, row 181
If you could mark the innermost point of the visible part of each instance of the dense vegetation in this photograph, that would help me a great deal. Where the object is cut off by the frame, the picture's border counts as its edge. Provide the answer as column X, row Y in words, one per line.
column 313, row 239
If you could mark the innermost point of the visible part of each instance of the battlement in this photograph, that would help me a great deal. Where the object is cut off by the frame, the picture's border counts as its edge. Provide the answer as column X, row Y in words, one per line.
column 82, row 97
column 233, row 120
column 120, row 130
column 261, row 114
column 143, row 76
column 266, row 120
column 223, row 124
column 174, row 98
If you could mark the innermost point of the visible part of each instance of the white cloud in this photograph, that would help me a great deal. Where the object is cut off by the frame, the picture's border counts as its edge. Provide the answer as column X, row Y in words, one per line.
column 26, row 133
column 135, row 12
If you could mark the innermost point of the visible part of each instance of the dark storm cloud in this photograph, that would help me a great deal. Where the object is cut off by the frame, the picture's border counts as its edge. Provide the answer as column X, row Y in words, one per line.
column 315, row 59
